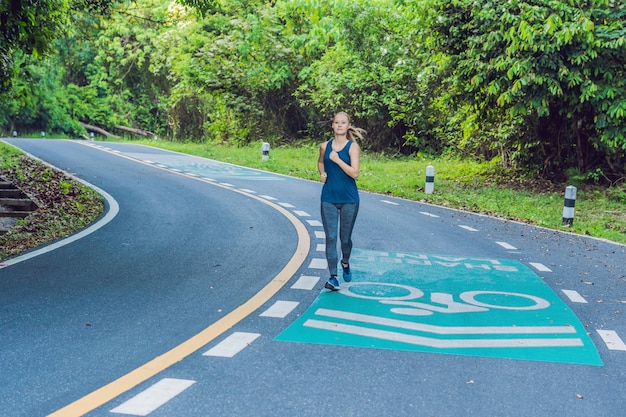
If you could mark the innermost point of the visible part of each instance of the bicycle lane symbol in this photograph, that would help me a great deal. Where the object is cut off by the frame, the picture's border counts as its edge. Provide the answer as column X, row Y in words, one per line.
column 439, row 304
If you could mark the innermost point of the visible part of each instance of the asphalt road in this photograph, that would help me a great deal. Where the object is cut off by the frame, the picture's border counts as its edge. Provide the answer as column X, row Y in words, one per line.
column 201, row 295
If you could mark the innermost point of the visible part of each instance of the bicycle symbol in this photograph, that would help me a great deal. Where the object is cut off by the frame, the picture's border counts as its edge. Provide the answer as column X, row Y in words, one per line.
column 400, row 295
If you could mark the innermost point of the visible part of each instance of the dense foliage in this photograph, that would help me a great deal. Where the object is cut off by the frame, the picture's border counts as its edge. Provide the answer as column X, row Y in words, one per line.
column 537, row 84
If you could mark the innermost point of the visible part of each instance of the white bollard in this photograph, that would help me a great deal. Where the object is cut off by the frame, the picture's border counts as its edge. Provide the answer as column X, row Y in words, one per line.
column 91, row 136
column 568, row 206
column 430, row 179
column 43, row 134
column 15, row 133
column 265, row 150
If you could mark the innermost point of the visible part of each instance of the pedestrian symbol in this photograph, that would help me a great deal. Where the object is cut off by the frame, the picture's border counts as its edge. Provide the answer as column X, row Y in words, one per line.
column 446, row 304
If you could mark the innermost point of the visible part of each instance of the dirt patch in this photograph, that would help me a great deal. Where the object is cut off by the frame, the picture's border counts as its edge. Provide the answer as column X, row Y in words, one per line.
column 65, row 206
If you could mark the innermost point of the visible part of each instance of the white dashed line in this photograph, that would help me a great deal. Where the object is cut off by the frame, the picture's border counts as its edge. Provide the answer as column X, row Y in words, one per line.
column 318, row 263
column 471, row 229
column 245, row 190
column 314, row 223
column 425, row 213
column 574, row 296
column 506, row 246
column 321, row 247
column 232, row 345
column 302, row 213
column 280, row 309
column 389, row 202
column 319, row 234
column 153, row 397
column 306, row 282
column 267, row 197
column 226, row 184
column 540, row 267
column 286, row 205
column 612, row 340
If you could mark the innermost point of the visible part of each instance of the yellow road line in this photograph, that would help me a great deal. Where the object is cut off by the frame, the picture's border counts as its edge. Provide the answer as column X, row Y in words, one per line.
column 116, row 388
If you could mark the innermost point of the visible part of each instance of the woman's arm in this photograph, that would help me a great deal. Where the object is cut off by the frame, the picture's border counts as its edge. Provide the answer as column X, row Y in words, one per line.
column 320, row 162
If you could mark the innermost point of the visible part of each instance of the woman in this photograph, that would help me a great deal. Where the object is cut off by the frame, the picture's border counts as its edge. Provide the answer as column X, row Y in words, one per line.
column 339, row 166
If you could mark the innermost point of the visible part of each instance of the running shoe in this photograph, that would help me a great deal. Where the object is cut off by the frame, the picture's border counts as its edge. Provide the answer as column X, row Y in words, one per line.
column 347, row 275
column 332, row 284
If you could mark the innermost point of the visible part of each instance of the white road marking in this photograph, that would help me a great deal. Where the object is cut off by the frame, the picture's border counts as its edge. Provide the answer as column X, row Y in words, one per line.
column 442, row 343
column 540, row 267
column 314, row 223
column 471, row 229
column 612, row 340
column 226, row 184
column 280, row 309
column 302, row 213
column 153, row 397
column 267, row 197
column 448, row 330
column 306, row 282
column 321, row 247
column 319, row 234
column 506, row 246
column 574, row 296
column 232, row 345
column 318, row 263
column 286, row 205
column 245, row 190
column 390, row 202
column 425, row 213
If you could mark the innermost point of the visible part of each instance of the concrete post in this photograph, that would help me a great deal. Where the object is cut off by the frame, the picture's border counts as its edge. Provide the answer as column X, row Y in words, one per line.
column 568, row 206
column 430, row 179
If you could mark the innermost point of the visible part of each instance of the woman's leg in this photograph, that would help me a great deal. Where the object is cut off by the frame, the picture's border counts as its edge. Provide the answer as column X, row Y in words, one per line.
column 330, row 218
column 347, row 218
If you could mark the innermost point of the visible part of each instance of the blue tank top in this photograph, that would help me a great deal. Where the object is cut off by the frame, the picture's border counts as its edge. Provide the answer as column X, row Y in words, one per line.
column 339, row 186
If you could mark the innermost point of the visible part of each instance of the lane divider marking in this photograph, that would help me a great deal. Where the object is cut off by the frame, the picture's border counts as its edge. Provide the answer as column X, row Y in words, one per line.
column 280, row 309
column 425, row 213
column 574, row 296
column 306, row 282
column 612, row 340
column 390, row 202
column 318, row 263
column 153, row 397
column 540, row 267
column 506, row 246
column 232, row 345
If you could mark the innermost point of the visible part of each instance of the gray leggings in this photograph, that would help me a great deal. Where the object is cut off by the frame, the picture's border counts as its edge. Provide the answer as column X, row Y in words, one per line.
column 343, row 214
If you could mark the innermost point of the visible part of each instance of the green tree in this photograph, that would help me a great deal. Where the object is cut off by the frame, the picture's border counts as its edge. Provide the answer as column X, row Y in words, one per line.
column 552, row 71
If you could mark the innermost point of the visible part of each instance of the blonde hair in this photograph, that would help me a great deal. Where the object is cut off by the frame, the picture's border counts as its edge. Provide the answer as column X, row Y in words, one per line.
column 353, row 131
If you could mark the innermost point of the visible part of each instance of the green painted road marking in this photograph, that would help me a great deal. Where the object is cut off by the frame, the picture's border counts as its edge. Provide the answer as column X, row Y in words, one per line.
column 446, row 304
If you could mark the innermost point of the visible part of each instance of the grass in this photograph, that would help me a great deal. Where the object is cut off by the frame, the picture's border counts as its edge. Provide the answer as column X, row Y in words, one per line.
column 462, row 184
